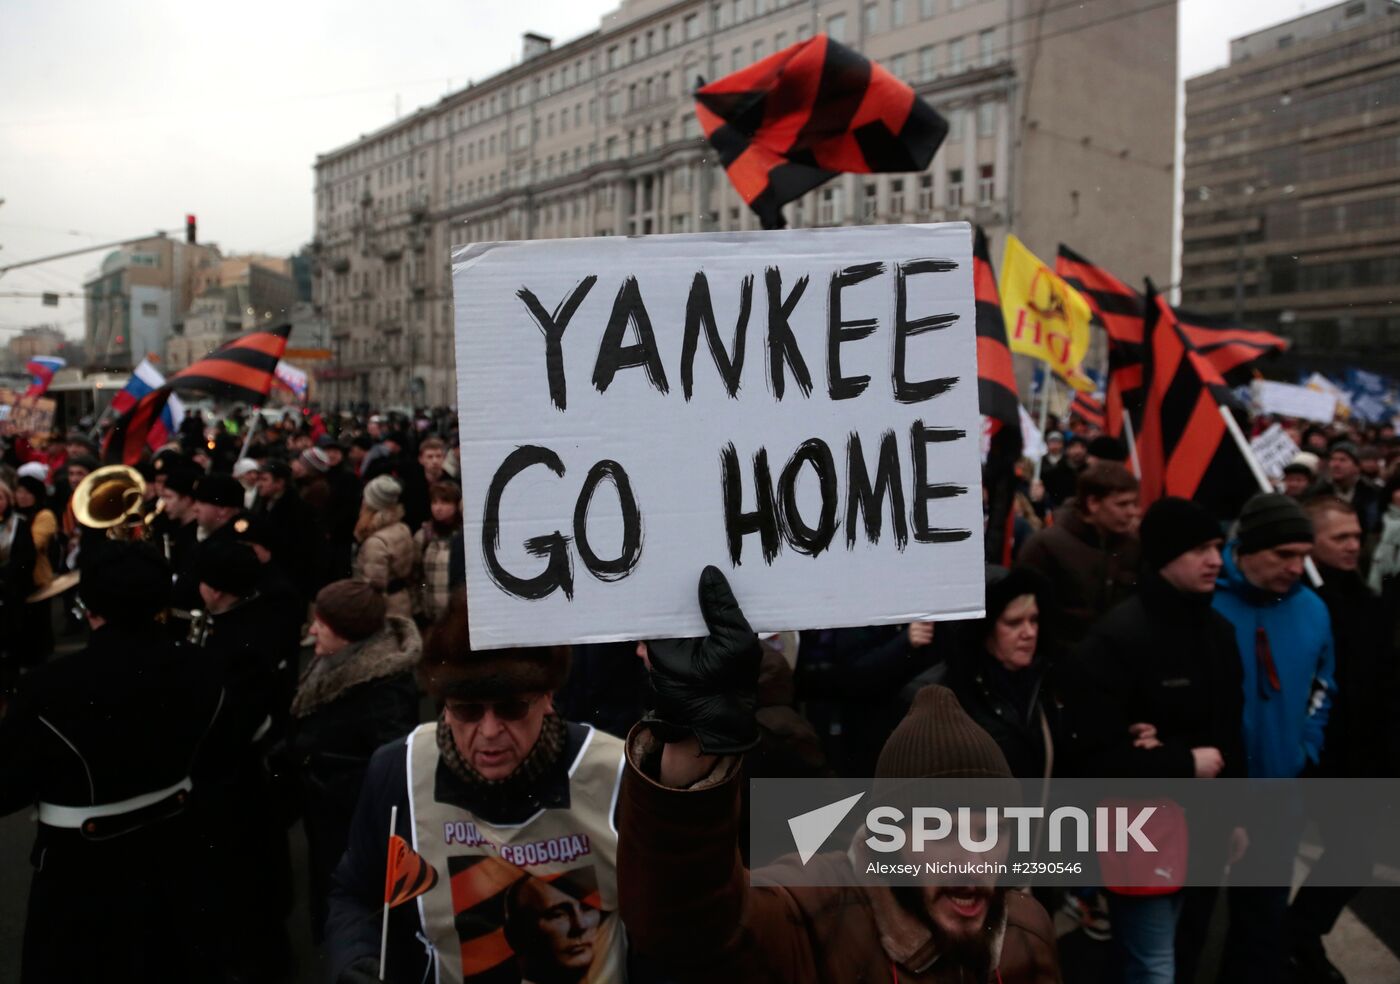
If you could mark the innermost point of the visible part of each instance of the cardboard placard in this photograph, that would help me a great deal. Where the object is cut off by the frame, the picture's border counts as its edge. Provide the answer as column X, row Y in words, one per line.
column 622, row 400
column 27, row 415
column 1303, row 402
column 1274, row 449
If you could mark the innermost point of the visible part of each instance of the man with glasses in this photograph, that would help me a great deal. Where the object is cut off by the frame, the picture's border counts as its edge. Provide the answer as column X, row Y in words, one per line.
column 1285, row 639
column 507, row 802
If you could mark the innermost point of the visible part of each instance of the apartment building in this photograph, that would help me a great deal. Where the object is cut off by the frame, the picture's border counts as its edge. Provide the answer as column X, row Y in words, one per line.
column 1061, row 128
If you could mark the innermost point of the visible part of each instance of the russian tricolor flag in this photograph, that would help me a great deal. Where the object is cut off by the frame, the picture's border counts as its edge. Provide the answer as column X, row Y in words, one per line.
column 144, row 380
column 41, row 371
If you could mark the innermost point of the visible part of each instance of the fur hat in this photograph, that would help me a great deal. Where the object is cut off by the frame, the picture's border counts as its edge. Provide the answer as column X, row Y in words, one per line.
column 219, row 490
column 229, row 566
column 351, row 609
column 383, row 493
column 451, row 668
column 125, row 583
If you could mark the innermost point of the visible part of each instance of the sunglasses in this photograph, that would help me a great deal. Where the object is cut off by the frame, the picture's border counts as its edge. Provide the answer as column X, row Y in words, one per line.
column 471, row 712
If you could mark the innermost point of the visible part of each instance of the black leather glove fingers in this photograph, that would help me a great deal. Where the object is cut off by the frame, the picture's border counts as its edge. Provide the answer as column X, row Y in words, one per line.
column 708, row 687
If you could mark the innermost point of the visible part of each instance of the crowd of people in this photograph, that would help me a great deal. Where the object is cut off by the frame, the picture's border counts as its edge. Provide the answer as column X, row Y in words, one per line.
column 284, row 639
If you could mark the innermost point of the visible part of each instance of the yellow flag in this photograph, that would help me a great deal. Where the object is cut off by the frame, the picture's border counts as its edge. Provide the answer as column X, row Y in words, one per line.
column 1046, row 318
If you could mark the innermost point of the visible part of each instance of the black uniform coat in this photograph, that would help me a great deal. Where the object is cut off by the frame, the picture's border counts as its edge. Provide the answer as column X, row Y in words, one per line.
column 131, row 714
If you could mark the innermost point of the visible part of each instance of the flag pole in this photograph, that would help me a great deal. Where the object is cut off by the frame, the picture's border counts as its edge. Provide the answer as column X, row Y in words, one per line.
column 384, row 930
column 1044, row 413
column 1232, row 425
column 1132, row 442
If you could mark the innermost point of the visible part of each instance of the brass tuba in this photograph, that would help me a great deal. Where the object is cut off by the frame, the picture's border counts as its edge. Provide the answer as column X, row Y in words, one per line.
column 112, row 499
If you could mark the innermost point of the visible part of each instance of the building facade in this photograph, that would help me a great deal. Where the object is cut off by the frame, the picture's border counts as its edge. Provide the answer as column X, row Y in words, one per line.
column 1291, row 217
column 233, row 295
column 598, row 137
column 133, row 302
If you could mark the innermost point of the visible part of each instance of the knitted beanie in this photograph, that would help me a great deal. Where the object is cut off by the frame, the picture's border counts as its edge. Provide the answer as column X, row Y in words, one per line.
column 316, row 460
column 1171, row 527
column 351, row 609
column 383, row 493
column 937, row 740
column 1271, row 518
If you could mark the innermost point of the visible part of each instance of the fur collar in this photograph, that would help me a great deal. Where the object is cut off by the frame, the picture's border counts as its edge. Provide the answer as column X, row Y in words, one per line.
column 394, row 649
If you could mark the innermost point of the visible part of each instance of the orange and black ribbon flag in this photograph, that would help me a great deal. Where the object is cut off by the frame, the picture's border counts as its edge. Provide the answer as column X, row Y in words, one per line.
column 1184, row 446
column 1228, row 347
column 799, row 117
column 998, row 402
column 1088, row 409
column 407, row 875
column 1119, row 310
column 240, row 371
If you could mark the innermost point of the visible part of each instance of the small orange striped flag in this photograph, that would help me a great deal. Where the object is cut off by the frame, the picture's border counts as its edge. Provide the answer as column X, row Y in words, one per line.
column 407, row 874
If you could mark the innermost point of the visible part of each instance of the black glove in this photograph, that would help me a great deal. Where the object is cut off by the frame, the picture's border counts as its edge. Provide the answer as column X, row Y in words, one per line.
column 365, row 970
column 708, row 687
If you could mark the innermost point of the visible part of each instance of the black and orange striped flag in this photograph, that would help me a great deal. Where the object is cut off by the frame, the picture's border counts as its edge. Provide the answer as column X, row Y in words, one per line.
column 998, row 402
column 1088, row 409
column 1228, row 347
column 816, row 109
column 239, row 371
column 407, row 875
column 1119, row 310
column 1184, row 445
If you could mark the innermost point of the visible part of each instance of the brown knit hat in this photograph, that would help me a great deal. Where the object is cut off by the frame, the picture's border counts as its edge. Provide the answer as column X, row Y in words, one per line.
column 351, row 609
column 937, row 740
column 451, row 668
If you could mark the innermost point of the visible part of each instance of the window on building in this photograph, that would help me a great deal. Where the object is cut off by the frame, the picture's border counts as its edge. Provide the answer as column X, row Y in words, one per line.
column 986, row 119
column 780, row 41
column 897, row 13
column 830, row 210
column 986, row 47
column 612, row 57
column 897, row 66
column 896, row 197
column 758, row 50
column 665, row 36
column 836, row 27
column 925, row 204
column 690, row 27
column 736, row 59
column 927, row 8
column 870, row 203
column 804, row 29
column 955, row 187
column 955, row 122
column 986, row 184
column 926, row 62
column 149, row 309
column 871, row 18
column 955, row 55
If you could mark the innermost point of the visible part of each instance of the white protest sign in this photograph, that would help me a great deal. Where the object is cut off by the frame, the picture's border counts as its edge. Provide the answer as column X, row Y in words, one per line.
column 1274, row 449
column 624, row 400
column 1286, row 400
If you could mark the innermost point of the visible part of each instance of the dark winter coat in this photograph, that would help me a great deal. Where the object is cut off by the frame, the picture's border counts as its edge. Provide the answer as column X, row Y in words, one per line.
column 16, row 583
column 1358, row 742
column 688, row 903
column 1090, row 574
column 131, row 714
column 360, row 698
column 1164, row 658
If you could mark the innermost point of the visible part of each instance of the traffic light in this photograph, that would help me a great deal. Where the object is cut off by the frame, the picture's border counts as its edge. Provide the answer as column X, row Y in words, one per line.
column 189, row 229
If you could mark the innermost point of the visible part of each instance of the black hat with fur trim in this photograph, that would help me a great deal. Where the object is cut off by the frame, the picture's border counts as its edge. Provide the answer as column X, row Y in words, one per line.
column 451, row 668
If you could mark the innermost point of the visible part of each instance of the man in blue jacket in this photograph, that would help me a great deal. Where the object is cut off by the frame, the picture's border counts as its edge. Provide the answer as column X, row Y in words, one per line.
column 1285, row 641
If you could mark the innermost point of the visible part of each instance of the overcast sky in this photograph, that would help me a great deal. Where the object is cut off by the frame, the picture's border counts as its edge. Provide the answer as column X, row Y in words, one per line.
column 117, row 119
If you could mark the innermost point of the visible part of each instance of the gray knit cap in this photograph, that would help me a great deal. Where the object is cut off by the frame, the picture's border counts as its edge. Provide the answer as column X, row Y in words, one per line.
column 383, row 493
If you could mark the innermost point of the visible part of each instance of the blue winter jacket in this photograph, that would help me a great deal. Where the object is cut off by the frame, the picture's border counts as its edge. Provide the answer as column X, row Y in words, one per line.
column 1282, row 728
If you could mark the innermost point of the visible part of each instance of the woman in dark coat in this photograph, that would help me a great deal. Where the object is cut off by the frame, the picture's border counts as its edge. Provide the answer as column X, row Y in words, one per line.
column 357, row 694
column 998, row 667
